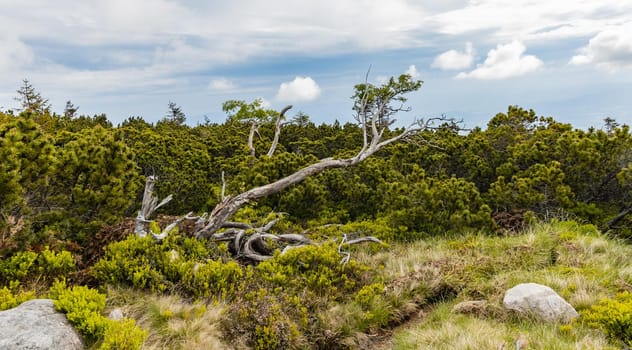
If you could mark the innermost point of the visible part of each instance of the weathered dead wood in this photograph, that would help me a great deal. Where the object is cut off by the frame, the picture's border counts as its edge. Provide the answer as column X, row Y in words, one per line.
column 257, row 244
column 346, row 256
column 148, row 208
column 277, row 130
column 254, row 128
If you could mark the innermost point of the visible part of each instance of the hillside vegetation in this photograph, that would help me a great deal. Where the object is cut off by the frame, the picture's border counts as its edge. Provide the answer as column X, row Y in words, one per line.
column 463, row 216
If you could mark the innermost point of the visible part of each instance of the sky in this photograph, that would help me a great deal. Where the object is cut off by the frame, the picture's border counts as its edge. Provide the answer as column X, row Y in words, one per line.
column 571, row 60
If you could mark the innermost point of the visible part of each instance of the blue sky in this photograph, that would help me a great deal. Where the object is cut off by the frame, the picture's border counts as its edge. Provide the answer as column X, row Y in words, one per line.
column 571, row 60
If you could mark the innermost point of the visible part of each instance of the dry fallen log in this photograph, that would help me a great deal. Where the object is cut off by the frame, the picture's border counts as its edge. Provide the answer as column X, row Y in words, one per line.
column 248, row 242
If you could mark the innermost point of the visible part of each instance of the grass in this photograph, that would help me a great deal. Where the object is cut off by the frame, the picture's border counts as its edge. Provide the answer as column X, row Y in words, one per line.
column 418, row 284
column 442, row 329
column 581, row 264
column 173, row 323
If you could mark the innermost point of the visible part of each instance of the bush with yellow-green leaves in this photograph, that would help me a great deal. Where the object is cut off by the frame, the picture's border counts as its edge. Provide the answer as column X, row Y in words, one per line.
column 613, row 316
column 284, row 302
column 28, row 266
column 13, row 296
column 177, row 264
column 84, row 308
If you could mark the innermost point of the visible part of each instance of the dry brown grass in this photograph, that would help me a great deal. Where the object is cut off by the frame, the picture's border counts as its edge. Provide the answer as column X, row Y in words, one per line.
column 172, row 322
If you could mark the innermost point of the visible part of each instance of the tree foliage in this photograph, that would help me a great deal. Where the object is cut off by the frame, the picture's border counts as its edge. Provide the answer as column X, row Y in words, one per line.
column 174, row 114
column 64, row 176
column 31, row 100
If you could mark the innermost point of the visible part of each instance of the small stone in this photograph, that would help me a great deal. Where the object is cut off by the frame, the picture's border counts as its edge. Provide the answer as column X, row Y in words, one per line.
column 116, row 314
column 471, row 307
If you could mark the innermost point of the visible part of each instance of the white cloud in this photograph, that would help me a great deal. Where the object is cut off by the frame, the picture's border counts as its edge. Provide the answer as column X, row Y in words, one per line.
column 299, row 89
column 531, row 19
column 239, row 28
column 14, row 54
column 452, row 60
column 503, row 62
column 610, row 49
column 221, row 84
column 413, row 72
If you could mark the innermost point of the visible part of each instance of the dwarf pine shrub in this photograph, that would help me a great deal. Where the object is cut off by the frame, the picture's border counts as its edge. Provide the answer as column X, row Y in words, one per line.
column 313, row 269
column 283, row 299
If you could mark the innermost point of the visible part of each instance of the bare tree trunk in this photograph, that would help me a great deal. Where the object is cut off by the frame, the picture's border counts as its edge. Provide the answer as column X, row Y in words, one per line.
column 277, row 131
column 229, row 205
column 149, row 206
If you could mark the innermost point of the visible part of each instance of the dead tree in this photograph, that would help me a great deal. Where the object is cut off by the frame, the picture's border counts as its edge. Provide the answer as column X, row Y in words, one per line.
column 253, row 114
column 375, row 108
column 224, row 210
column 254, row 129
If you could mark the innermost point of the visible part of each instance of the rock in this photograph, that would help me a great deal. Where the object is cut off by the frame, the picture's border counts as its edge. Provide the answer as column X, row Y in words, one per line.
column 35, row 325
column 116, row 314
column 539, row 300
column 471, row 307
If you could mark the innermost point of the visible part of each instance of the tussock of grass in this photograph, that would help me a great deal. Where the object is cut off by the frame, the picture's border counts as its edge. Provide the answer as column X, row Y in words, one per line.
column 172, row 322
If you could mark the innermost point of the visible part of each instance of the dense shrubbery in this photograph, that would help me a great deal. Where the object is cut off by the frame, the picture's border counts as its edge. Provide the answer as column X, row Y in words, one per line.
column 316, row 270
column 613, row 316
column 13, row 296
column 176, row 264
column 63, row 177
column 84, row 309
column 24, row 274
column 276, row 307
column 42, row 267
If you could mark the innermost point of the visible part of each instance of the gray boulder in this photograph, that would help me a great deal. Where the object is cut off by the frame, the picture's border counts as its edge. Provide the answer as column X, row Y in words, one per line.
column 35, row 325
column 540, row 301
